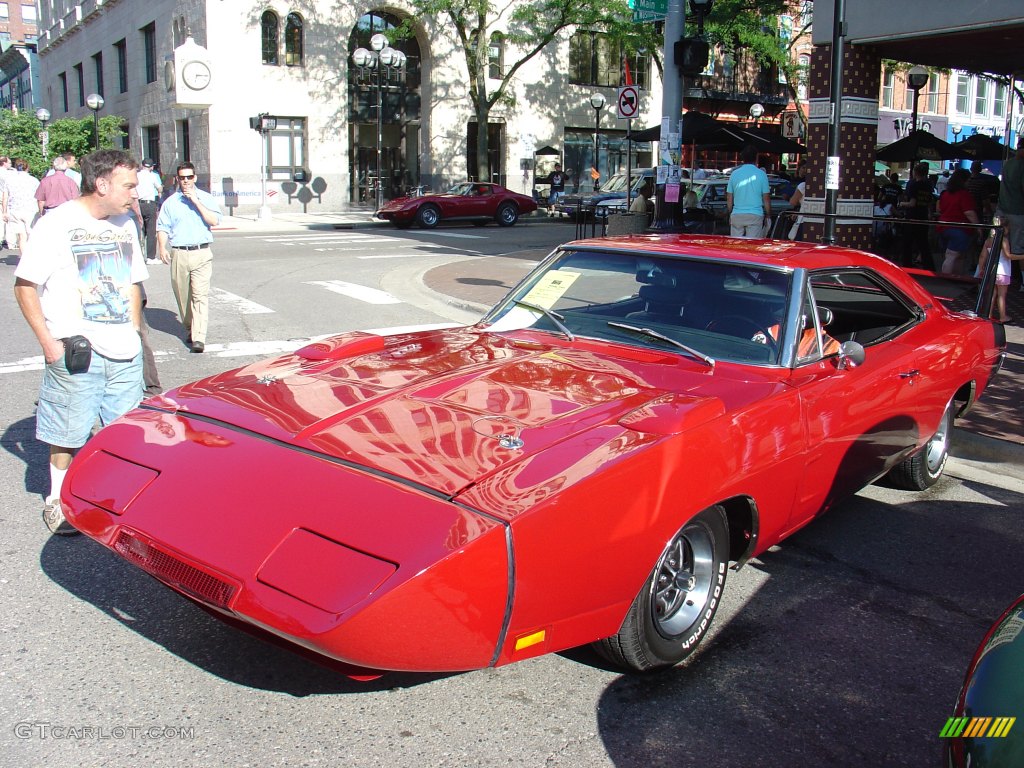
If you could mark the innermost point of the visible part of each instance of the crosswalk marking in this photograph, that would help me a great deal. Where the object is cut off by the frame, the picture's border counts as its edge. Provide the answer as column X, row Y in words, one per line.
column 360, row 292
column 241, row 305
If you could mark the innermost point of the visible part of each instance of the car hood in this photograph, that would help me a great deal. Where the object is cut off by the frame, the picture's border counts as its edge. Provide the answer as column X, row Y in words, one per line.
column 444, row 409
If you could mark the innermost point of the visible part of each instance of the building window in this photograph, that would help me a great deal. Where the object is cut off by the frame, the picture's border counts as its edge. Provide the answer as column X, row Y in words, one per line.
column 888, row 87
column 5, row 13
column 269, row 26
column 286, row 149
column 151, row 139
column 981, row 96
column 496, row 57
column 122, row 65
column 999, row 101
column 933, row 94
column 80, row 77
column 963, row 93
column 149, row 46
column 293, row 40
column 595, row 59
column 28, row 14
column 63, row 77
column 184, row 141
column 97, row 68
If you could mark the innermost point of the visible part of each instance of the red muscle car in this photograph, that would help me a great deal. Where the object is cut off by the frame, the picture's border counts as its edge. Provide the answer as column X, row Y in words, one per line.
column 581, row 466
column 474, row 201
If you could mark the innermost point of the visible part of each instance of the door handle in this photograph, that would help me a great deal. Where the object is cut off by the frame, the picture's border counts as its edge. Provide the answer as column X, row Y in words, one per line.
column 910, row 374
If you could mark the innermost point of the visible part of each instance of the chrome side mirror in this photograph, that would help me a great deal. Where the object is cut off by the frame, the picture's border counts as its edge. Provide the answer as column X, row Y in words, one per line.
column 851, row 354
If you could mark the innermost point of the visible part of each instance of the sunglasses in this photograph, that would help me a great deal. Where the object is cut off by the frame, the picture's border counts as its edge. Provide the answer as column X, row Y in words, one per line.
column 186, row 178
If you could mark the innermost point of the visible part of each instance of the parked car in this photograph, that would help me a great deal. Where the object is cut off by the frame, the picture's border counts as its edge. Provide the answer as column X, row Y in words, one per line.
column 984, row 729
column 595, row 203
column 475, row 201
column 639, row 412
column 711, row 195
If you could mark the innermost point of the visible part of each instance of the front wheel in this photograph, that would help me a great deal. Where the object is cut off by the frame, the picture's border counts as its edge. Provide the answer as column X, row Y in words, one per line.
column 923, row 469
column 428, row 216
column 508, row 215
column 674, row 610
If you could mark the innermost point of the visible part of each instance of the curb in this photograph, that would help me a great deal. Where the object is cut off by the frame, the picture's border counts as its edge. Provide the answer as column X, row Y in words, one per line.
column 970, row 446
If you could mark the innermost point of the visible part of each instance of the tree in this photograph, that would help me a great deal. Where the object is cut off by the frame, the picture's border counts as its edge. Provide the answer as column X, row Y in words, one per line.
column 20, row 137
column 528, row 28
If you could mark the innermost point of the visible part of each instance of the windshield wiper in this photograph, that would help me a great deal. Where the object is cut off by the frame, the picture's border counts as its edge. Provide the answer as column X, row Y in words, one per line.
column 655, row 335
column 554, row 317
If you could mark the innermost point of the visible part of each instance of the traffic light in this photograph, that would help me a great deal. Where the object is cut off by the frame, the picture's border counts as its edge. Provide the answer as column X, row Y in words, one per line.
column 263, row 122
column 691, row 55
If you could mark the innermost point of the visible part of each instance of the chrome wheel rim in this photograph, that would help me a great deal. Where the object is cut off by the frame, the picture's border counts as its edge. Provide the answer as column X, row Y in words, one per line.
column 508, row 215
column 429, row 216
column 683, row 581
column 938, row 446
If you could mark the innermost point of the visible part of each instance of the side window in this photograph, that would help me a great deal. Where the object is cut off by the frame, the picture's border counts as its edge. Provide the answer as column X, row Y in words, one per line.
column 857, row 305
column 269, row 31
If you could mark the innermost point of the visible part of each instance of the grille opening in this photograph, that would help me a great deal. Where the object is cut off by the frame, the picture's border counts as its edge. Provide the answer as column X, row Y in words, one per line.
column 172, row 570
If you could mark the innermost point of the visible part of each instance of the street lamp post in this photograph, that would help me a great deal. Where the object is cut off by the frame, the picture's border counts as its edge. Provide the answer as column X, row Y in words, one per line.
column 956, row 128
column 43, row 116
column 756, row 110
column 95, row 102
column 383, row 60
column 597, row 102
column 917, row 78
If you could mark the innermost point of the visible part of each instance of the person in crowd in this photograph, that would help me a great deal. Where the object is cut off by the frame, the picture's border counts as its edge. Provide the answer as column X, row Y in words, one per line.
column 956, row 204
column 985, row 189
column 79, row 276
column 891, row 192
column 696, row 220
column 56, row 188
column 941, row 182
column 150, row 376
column 1006, row 259
column 641, row 202
column 150, row 189
column 5, row 171
column 748, row 197
column 796, row 201
column 19, row 203
column 72, row 171
column 556, row 179
column 917, row 205
column 184, row 240
column 1011, row 198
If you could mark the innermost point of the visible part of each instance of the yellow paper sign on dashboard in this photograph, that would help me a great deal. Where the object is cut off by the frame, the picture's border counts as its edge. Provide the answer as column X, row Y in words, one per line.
column 551, row 288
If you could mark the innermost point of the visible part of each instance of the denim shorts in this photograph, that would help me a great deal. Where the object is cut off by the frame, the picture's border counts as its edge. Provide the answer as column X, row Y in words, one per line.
column 955, row 239
column 70, row 405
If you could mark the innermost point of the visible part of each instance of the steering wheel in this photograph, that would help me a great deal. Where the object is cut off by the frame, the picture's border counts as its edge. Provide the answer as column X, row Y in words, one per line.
column 724, row 320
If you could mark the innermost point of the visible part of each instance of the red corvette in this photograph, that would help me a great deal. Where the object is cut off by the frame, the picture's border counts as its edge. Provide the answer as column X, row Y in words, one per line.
column 581, row 466
column 474, row 201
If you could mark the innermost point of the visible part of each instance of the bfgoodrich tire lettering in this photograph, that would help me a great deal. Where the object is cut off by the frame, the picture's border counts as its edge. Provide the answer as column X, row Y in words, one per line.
column 675, row 608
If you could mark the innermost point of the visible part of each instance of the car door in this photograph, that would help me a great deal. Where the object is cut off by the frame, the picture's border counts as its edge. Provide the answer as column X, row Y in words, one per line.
column 481, row 201
column 858, row 420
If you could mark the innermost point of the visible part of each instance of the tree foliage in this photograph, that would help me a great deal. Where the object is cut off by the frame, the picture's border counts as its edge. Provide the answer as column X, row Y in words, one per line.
column 20, row 137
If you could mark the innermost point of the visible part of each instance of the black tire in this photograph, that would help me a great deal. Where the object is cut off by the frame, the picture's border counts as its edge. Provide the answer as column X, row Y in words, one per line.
column 428, row 216
column 923, row 469
column 669, row 618
column 507, row 215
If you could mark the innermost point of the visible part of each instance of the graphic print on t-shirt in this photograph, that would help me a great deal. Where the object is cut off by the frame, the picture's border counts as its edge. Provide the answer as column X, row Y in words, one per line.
column 104, row 280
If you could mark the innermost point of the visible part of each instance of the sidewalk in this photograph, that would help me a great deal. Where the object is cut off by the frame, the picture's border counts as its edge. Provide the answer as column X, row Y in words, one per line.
column 993, row 430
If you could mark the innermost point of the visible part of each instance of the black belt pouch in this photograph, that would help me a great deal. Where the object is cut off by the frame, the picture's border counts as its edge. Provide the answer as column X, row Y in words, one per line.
column 77, row 354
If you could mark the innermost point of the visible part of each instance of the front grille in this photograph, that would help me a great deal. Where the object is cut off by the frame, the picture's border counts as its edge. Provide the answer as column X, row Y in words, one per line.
column 170, row 569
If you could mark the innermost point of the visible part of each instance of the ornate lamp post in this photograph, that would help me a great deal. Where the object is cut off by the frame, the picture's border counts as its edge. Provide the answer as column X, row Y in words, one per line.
column 43, row 116
column 956, row 128
column 95, row 102
column 917, row 78
column 597, row 102
column 381, row 62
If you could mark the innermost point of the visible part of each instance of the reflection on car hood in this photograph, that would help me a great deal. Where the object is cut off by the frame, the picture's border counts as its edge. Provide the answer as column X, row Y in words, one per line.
column 445, row 408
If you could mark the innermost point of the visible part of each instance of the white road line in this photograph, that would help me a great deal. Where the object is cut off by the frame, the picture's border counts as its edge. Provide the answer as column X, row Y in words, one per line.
column 394, row 255
column 236, row 348
column 239, row 304
column 360, row 292
column 450, row 234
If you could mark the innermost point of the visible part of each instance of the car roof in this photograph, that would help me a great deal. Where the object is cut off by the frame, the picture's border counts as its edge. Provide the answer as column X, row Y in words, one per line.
column 787, row 254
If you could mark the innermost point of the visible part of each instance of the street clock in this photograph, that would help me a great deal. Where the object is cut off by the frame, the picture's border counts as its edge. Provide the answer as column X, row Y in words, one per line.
column 193, row 76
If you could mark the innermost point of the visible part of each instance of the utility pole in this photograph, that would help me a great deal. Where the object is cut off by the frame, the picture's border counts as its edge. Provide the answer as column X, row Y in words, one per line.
column 671, row 99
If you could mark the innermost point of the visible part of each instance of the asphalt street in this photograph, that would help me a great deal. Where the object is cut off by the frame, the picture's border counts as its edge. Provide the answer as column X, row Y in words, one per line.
column 845, row 645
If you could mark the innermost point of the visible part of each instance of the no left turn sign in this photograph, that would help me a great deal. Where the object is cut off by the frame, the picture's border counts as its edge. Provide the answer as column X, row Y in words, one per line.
column 629, row 102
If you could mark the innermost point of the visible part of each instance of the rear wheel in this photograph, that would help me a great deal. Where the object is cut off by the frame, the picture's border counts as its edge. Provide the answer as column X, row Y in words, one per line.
column 924, row 468
column 674, row 610
column 428, row 216
column 508, row 215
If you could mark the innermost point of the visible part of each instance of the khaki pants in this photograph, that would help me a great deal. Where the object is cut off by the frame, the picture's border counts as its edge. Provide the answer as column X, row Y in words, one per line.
column 190, row 280
column 747, row 225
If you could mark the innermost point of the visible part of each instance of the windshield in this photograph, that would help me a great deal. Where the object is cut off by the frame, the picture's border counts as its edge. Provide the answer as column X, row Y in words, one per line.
column 616, row 183
column 722, row 310
column 462, row 188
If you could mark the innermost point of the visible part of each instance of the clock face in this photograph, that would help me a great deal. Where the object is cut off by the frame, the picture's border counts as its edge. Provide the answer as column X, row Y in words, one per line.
column 196, row 75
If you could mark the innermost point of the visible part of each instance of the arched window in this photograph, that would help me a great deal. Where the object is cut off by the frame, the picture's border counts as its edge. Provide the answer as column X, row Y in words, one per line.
column 496, row 57
column 270, row 27
column 293, row 40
